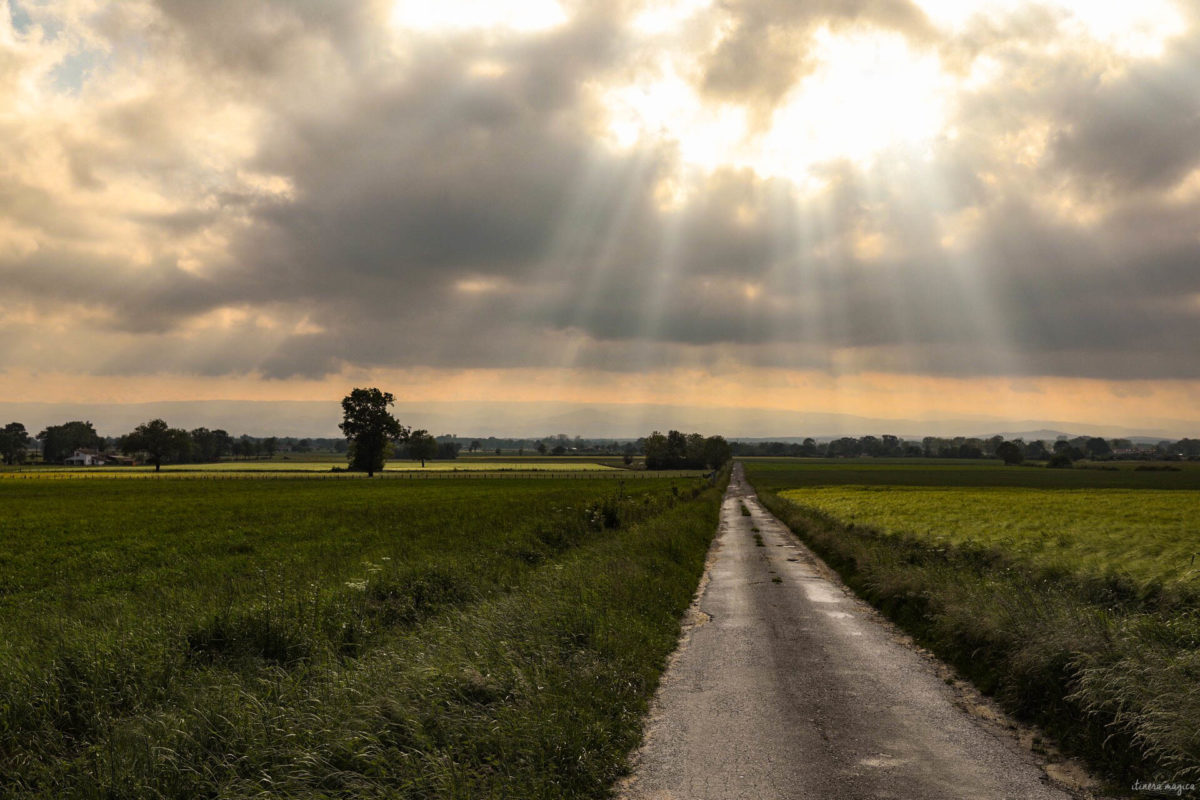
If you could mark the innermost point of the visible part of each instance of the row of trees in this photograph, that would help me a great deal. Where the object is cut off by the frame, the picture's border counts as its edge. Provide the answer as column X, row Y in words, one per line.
column 374, row 434
column 678, row 450
column 370, row 437
column 158, row 443
column 59, row 442
column 1011, row 451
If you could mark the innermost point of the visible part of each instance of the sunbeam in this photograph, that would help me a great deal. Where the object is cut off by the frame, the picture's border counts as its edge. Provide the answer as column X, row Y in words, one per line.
column 745, row 203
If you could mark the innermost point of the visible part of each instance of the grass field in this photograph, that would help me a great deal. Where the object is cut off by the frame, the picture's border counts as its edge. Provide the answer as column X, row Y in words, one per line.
column 1147, row 535
column 442, row 638
column 1073, row 596
column 279, row 465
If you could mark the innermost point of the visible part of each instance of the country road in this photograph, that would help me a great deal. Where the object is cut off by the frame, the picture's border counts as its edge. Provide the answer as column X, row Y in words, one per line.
column 787, row 686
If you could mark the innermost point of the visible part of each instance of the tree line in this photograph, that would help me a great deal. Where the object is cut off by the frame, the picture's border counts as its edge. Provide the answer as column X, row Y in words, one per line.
column 1012, row 451
column 372, row 435
column 56, row 443
column 676, row 450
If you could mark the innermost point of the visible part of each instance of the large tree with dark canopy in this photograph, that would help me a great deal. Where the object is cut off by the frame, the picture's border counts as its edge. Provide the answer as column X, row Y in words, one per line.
column 1010, row 452
column 13, row 441
column 685, row 451
column 370, row 428
column 158, row 441
column 59, row 442
column 211, row 445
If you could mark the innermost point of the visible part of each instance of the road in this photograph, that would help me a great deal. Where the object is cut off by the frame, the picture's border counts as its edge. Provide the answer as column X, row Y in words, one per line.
column 787, row 686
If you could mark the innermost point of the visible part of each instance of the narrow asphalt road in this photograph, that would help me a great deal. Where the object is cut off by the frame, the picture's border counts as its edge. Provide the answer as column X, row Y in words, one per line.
column 787, row 686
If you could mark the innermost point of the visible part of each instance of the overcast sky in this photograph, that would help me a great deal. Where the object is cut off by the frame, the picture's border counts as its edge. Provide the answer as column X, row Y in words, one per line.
column 892, row 209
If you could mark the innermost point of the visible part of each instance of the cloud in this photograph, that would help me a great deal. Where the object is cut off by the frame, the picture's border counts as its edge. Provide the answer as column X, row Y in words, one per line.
column 298, row 189
column 767, row 49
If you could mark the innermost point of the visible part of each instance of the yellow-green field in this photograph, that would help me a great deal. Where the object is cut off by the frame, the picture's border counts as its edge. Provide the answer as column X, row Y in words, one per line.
column 278, row 466
column 459, row 465
column 1146, row 534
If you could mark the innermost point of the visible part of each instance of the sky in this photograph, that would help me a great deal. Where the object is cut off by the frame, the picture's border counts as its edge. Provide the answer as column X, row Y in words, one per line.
column 904, row 209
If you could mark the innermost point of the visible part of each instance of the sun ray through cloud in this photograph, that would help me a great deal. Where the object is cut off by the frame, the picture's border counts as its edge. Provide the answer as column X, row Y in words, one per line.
column 796, row 194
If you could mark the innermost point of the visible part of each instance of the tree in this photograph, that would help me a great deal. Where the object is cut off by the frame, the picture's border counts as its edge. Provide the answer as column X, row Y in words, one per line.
column 271, row 446
column 655, row 449
column 157, row 441
column 1036, row 450
column 1010, row 452
column 422, row 446
column 59, row 442
column 13, row 441
column 1060, row 460
column 1096, row 447
column 683, row 451
column 210, row 445
column 716, row 452
column 475, row 445
column 370, row 428
column 541, row 448
column 245, row 446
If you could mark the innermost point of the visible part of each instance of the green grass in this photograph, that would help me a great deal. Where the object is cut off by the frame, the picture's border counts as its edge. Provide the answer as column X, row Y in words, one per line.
column 1148, row 535
column 1078, row 608
column 456, row 465
column 465, row 638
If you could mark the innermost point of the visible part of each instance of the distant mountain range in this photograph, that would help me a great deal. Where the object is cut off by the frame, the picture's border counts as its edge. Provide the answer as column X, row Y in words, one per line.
column 607, row 420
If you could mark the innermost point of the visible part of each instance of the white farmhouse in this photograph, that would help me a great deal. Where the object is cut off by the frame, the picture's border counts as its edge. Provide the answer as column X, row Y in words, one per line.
column 85, row 458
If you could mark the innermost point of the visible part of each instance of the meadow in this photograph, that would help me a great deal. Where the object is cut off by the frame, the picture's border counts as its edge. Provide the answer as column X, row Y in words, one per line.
column 301, row 638
column 334, row 464
column 1072, row 596
column 1146, row 535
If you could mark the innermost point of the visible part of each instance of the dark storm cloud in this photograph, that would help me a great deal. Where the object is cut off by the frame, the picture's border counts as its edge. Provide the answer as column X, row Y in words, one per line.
column 1140, row 131
column 450, row 206
column 260, row 38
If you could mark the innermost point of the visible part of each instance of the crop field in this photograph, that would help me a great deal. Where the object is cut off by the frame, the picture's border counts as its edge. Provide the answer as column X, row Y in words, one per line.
column 301, row 638
column 394, row 465
column 1073, row 596
column 1149, row 535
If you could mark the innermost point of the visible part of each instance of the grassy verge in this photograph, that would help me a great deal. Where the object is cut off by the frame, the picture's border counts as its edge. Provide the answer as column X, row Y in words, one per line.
column 455, row 640
column 1106, row 661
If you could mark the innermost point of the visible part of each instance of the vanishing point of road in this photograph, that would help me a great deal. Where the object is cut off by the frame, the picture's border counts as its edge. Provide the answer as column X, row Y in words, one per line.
column 787, row 687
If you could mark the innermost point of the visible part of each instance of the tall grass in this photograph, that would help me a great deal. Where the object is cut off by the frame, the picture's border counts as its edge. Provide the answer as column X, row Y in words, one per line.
column 452, row 639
